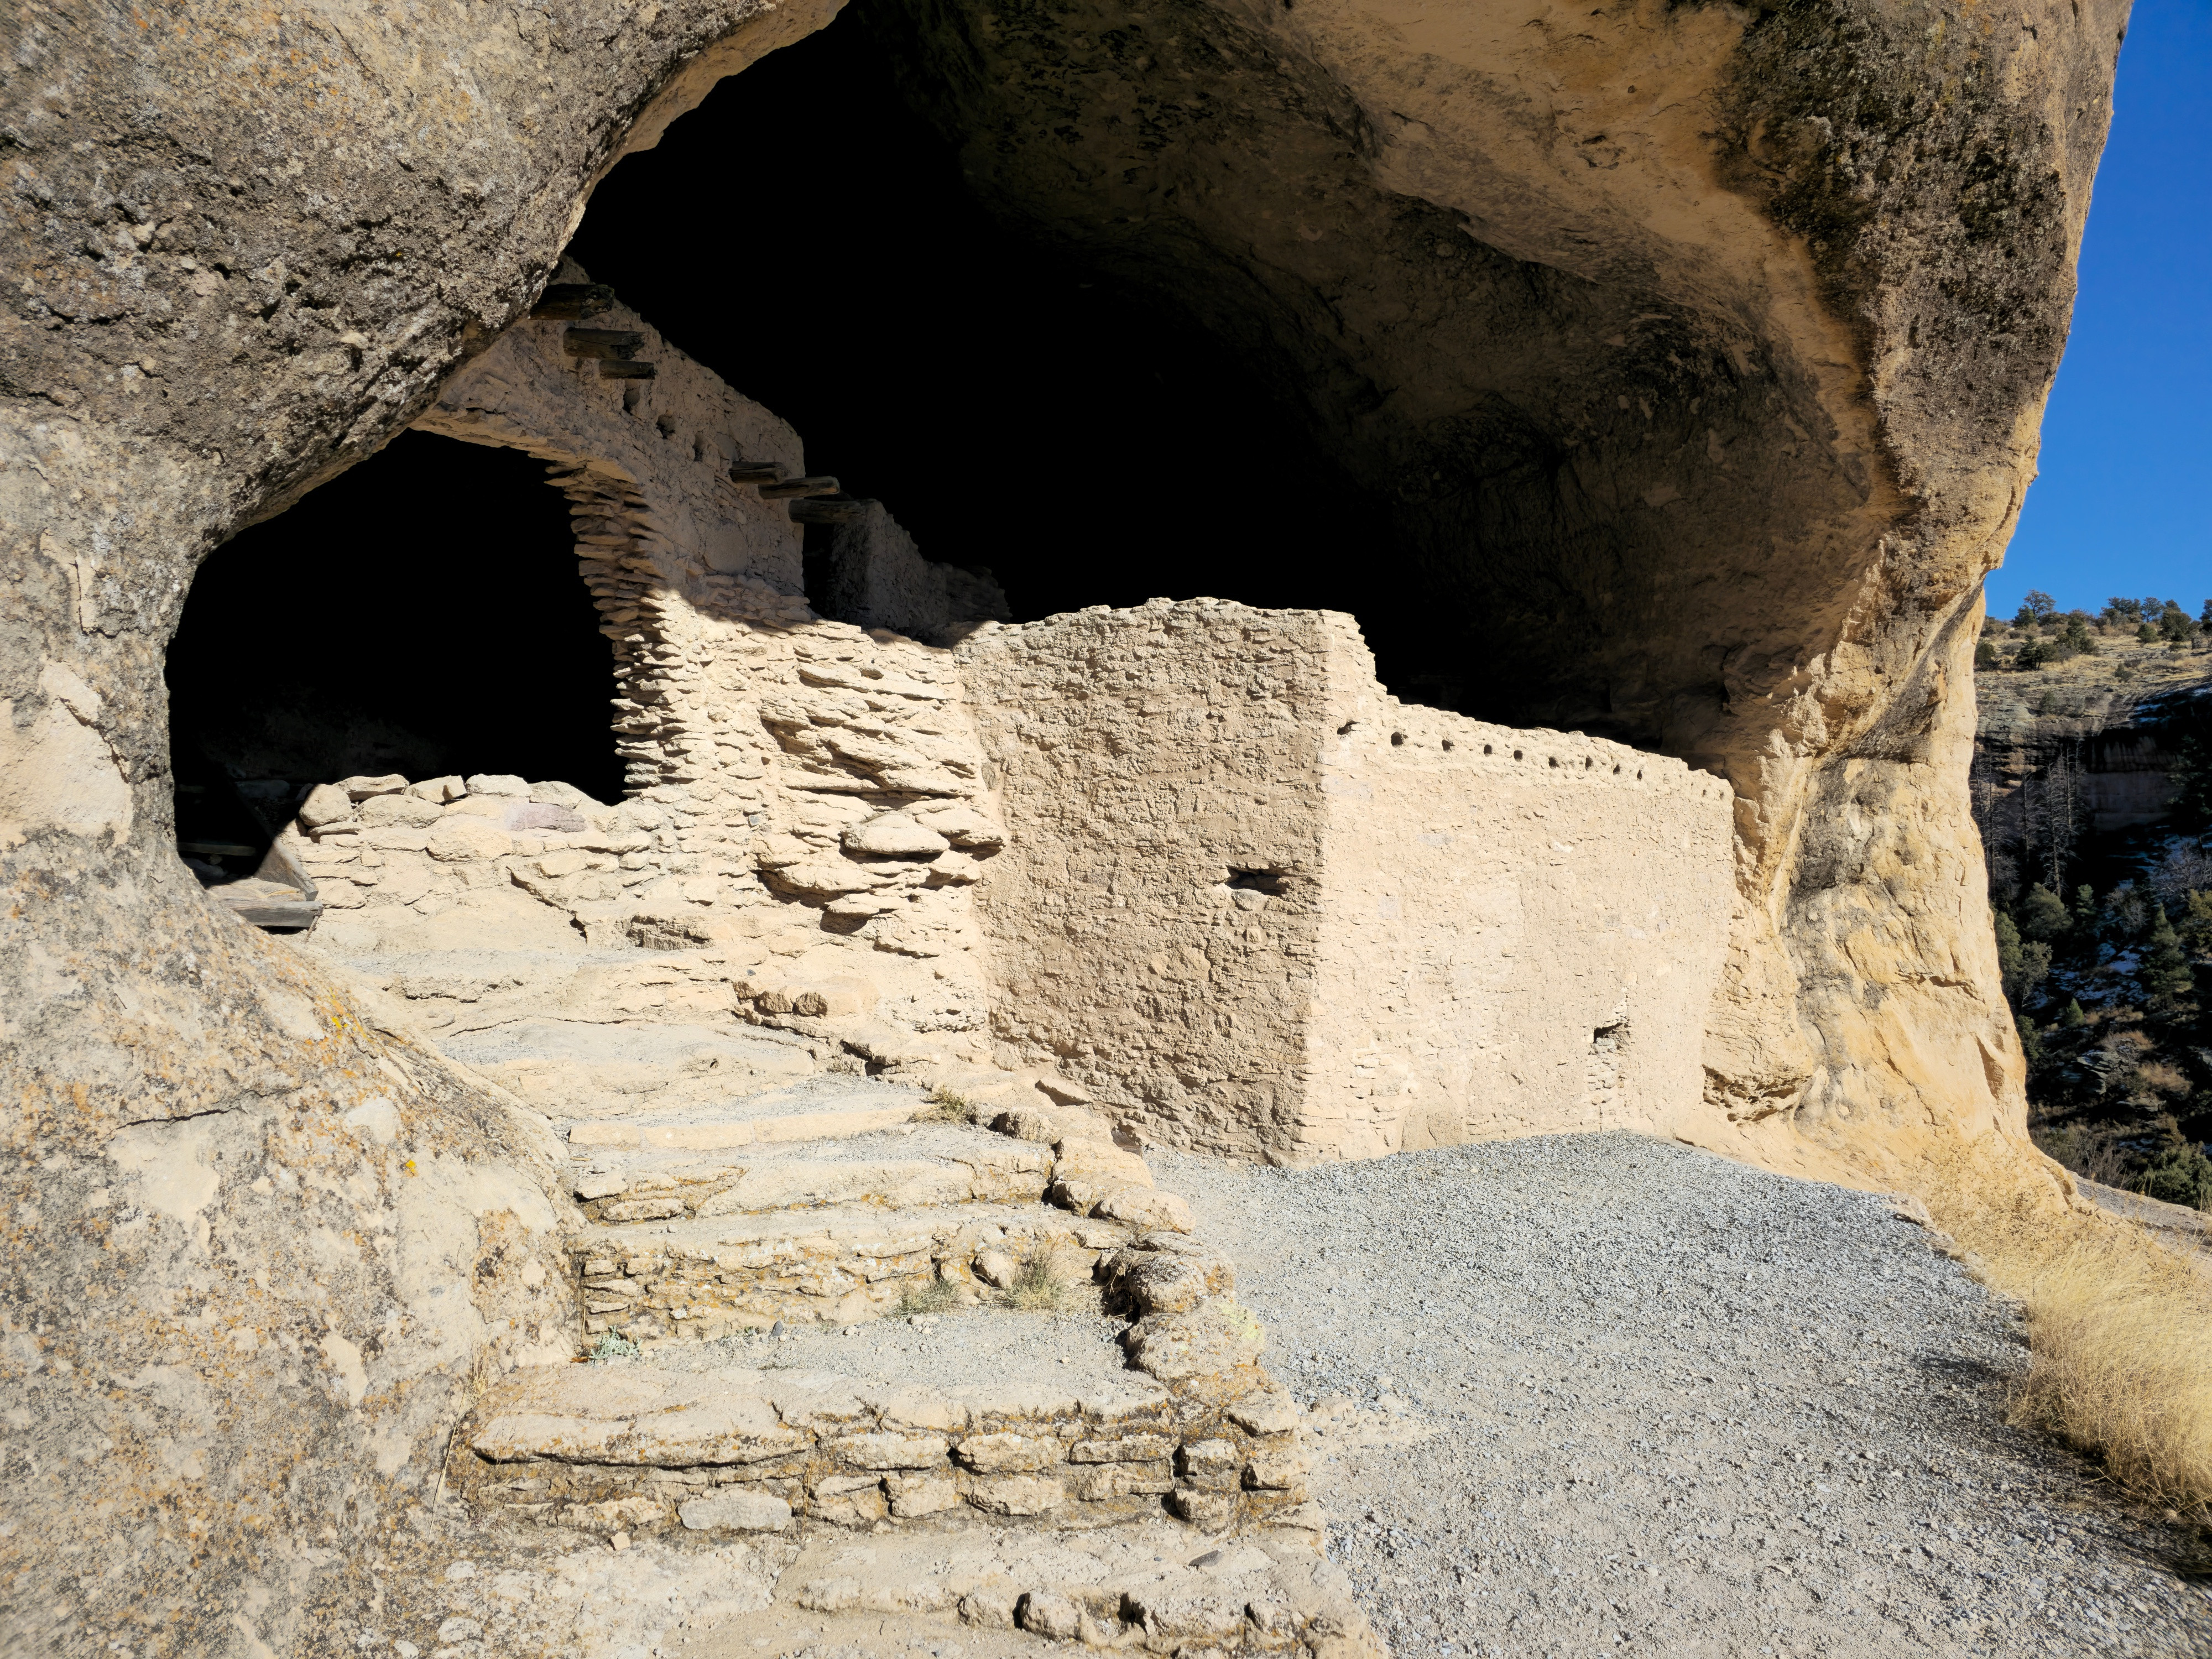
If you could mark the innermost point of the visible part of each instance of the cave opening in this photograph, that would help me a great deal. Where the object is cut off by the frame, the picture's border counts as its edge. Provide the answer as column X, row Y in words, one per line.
column 1016, row 411
column 420, row 614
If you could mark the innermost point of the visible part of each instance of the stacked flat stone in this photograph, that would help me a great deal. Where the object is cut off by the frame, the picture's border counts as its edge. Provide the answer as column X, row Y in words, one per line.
column 632, row 1449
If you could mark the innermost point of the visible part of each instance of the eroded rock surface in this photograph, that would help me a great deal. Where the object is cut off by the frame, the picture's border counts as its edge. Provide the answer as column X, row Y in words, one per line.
column 1701, row 351
column 1698, row 354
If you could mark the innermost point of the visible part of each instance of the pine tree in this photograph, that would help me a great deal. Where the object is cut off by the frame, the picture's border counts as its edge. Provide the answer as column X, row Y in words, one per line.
column 2042, row 914
column 2021, row 967
column 2073, row 1019
column 2165, row 971
column 2196, row 928
column 2085, row 906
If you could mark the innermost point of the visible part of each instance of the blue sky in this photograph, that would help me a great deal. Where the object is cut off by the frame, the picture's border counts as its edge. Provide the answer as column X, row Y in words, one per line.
column 2123, row 502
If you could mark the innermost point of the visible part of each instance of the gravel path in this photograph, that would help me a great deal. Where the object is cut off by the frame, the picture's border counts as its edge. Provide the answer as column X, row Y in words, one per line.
column 1601, row 1394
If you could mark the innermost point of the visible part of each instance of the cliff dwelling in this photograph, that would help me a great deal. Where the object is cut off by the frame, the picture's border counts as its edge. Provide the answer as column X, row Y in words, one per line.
column 695, row 678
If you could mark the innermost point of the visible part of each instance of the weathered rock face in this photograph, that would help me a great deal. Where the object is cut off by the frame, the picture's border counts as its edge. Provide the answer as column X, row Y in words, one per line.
column 1700, row 353
column 1701, row 349
column 2118, row 741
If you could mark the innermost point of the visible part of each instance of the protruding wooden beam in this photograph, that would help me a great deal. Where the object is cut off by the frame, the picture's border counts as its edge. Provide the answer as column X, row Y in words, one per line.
column 601, row 342
column 574, row 301
column 759, row 472
column 791, row 488
column 830, row 509
column 625, row 368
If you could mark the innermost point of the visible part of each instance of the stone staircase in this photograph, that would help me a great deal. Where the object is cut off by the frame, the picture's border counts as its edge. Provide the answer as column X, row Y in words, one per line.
column 938, row 1316
column 1006, row 1431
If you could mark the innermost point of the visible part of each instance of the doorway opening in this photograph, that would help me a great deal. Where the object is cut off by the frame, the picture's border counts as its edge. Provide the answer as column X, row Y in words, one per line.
column 421, row 614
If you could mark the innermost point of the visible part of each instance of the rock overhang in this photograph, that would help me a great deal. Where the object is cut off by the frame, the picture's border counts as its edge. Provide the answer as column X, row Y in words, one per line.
column 213, row 313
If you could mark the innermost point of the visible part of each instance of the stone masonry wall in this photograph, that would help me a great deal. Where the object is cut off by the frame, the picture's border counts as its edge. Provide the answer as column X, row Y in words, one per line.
column 1522, row 929
column 1150, row 766
column 798, row 788
column 1251, row 903
column 1256, row 905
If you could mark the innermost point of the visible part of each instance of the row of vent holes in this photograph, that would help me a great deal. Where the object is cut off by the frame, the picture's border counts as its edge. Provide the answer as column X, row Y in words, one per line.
column 1398, row 738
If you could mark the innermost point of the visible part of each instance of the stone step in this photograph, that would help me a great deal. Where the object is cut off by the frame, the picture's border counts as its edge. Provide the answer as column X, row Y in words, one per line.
column 999, row 1417
column 702, row 1279
column 908, row 1166
column 818, row 1108
column 1146, row 1585
column 1080, row 1167
column 581, row 1069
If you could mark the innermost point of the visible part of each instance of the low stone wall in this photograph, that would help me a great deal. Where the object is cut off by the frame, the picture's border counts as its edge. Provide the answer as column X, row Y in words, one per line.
column 631, row 1450
column 1256, row 905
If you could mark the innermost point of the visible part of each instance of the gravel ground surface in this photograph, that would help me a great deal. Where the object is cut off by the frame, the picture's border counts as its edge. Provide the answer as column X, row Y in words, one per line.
column 1606, row 1395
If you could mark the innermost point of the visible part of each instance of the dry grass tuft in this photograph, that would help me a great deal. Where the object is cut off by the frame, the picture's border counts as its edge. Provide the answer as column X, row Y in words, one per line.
column 1041, row 1284
column 2120, row 1340
column 937, row 1296
column 946, row 1106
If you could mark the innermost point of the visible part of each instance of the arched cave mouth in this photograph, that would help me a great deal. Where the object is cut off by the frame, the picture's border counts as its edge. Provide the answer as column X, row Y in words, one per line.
column 809, row 238
column 419, row 614
column 1092, row 421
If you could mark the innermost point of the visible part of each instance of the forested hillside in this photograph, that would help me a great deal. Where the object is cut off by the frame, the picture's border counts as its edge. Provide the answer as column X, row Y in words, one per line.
column 2092, row 790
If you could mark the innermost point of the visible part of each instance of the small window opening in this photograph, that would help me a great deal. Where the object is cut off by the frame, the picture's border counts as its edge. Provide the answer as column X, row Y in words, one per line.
column 1344, row 730
column 1555, row 762
column 1609, row 1039
column 1448, row 743
column 1397, row 739
column 1274, row 882
column 1485, row 749
column 1516, row 754
column 1586, row 762
column 1616, row 768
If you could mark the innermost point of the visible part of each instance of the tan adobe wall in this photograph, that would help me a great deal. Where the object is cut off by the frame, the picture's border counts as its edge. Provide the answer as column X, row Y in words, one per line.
column 1141, row 757
column 1246, row 920
column 1523, row 930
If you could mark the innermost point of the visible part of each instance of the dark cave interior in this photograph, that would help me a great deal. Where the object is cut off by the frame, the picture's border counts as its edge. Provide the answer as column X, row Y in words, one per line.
column 1078, row 435
column 1015, row 414
column 1012, row 411
column 420, row 614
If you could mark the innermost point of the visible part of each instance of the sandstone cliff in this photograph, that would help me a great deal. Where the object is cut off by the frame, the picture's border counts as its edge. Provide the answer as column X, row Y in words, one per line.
column 2110, row 743
column 1704, row 347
